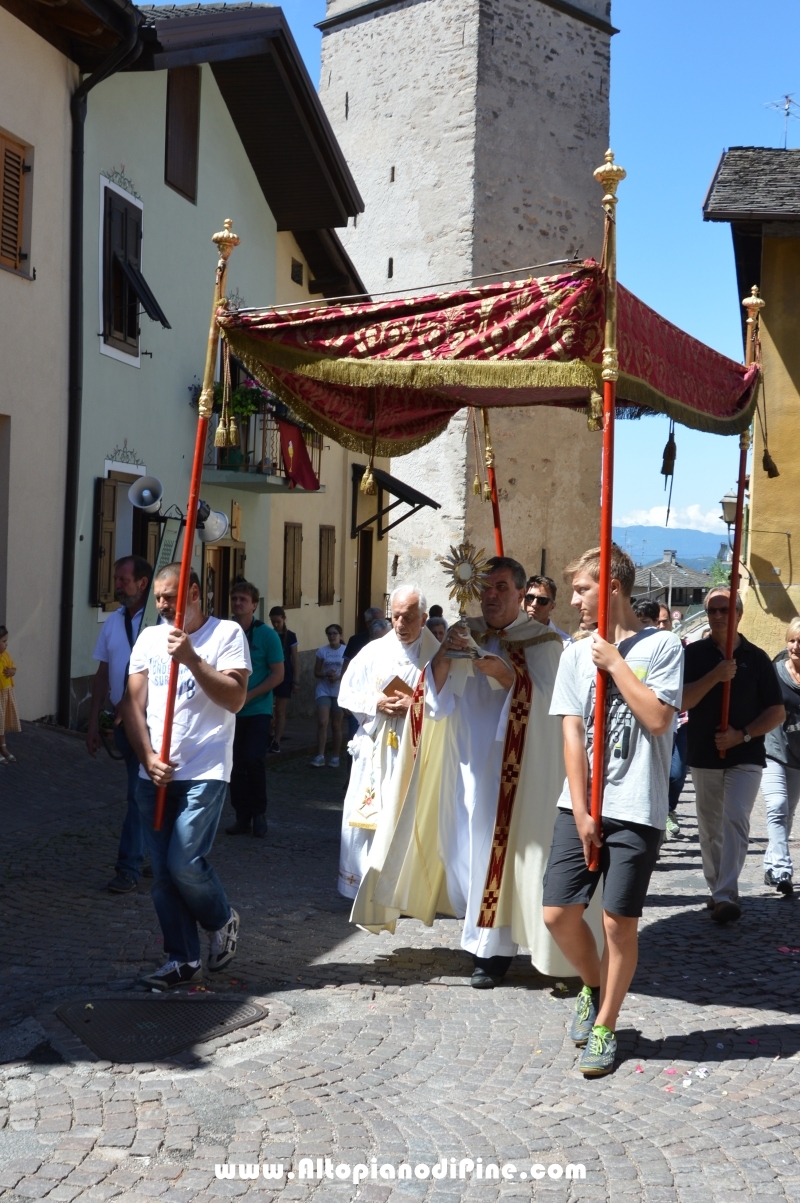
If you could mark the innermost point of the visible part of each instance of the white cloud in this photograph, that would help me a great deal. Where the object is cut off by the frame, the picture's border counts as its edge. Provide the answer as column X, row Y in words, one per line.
column 692, row 517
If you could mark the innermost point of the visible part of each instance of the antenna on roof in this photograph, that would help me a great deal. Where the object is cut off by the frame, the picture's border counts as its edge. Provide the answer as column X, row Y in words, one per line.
column 785, row 106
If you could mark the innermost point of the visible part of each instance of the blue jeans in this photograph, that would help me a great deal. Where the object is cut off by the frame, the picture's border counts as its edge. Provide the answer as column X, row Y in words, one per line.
column 780, row 786
column 678, row 767
column 131, row 843
column 186, row 890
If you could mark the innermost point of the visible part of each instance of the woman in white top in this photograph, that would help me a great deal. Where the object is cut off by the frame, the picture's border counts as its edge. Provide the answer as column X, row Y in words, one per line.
column 328, row 671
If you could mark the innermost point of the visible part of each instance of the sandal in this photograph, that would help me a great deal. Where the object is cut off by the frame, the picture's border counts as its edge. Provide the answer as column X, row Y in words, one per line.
column 6, row 756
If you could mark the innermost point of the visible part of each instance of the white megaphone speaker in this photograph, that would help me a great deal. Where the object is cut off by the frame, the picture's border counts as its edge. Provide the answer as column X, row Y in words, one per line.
column 212, row 525
column 146, row 493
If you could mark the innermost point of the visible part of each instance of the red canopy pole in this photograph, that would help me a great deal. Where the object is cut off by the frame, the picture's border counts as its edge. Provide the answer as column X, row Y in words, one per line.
column 226, row 241
column 609, row 177
column 753, row 304
column 492, row 479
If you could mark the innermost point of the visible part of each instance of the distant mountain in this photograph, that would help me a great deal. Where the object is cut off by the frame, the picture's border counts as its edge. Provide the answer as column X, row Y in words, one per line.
column 694, row 548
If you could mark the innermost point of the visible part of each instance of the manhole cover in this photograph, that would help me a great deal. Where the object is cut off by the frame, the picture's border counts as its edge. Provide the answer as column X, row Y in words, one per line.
column 148, row 1029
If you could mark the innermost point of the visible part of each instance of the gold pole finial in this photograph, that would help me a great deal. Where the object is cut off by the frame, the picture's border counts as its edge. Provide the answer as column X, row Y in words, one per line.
column 753, row 305
column 609, row 177
column 226, row 240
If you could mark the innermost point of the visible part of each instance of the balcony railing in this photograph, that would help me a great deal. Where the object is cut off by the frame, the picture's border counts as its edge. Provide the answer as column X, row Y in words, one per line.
column 259, row 448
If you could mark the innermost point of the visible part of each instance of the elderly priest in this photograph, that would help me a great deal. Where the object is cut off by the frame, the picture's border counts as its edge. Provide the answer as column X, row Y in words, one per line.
column 377, row 688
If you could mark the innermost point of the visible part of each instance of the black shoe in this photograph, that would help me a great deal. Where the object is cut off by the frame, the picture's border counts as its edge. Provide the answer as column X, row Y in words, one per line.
column 481, row 980
column 489, row 971
column 726, row 912
column 274, row 748
column 260, row 826
column 173, row 974
column 782, row 882
column 123, row 883
column 147, row 871
column 240, row 827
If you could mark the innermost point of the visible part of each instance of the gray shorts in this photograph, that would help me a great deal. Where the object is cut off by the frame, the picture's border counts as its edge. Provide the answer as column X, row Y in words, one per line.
column 627, row 859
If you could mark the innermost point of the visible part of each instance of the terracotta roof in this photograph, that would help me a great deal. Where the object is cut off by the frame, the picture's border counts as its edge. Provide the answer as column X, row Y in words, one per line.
column 755, row 183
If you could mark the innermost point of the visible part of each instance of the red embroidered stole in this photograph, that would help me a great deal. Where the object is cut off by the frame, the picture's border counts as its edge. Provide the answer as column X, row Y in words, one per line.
column 416, row 712
column 513, row 749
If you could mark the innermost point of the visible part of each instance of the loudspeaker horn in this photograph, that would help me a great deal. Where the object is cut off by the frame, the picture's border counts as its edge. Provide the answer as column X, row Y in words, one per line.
column 214, row 524
column 146, row 493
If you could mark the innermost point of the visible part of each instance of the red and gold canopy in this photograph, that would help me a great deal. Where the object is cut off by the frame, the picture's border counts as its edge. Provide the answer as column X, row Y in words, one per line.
column 391, row 374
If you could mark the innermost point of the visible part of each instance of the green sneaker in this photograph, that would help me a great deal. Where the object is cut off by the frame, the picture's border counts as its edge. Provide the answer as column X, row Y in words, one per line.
column 673, row 826
column 600, row 1053
column 586, row 1007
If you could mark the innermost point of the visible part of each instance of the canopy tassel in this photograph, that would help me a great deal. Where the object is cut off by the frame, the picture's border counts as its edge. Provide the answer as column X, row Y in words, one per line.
column 221, row 436
column 368, row 486
column 490, row 488
column 668, row 466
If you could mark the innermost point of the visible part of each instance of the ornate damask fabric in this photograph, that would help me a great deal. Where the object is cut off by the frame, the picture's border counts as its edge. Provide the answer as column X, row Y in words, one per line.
column 389, row 375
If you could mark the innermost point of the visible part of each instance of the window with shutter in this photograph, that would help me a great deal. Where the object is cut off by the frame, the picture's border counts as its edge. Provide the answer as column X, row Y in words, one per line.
column 292, row 565
column 124, row 286
column 183, row 131
column 12, row 200
column 327, row 565
column 105, row 539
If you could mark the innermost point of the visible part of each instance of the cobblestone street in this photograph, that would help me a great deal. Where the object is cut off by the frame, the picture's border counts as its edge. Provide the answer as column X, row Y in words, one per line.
column 376, row 1046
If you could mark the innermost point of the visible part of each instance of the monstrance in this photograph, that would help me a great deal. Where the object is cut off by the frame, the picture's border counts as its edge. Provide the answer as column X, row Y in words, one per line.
column 467, row 569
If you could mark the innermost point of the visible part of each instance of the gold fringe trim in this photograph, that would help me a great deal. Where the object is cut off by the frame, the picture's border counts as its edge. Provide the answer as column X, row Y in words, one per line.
column 431, row 375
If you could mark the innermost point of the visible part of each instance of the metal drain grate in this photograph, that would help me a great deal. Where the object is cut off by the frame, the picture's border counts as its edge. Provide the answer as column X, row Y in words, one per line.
column 148, row 1029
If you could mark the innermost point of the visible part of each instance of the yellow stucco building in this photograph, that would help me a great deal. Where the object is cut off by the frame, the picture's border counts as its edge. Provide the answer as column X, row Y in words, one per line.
column 757, row 190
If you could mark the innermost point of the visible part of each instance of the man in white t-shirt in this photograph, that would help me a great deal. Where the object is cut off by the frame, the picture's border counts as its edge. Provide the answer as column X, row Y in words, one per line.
column 132, row 576
column 214, row 668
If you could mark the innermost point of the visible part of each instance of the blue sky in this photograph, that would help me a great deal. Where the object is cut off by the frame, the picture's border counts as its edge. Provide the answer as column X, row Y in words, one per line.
column 689, row 78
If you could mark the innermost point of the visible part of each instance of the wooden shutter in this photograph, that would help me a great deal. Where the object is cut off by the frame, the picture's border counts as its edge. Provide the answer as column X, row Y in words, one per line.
column 121, row 244
column 105, row 538
column 292, row 565
column 12, row 199
column 183, row 131
column 327, row 565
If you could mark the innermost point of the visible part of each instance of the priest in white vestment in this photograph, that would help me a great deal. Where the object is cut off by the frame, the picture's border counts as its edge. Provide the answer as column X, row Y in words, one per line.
column 377, row 688
column 491, row 762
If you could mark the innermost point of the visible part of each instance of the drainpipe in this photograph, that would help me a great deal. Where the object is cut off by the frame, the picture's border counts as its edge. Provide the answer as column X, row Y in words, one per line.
column 127, row 52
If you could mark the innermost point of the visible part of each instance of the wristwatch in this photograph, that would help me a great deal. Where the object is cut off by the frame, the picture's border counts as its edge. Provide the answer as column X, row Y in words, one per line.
column 746, row 736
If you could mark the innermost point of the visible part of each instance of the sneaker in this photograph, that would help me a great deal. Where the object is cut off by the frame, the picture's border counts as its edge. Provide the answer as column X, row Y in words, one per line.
column 318, row 762
column 173, row 974
column 673, row 826
column 333, row 763
column 726, row 912
column 587, row 1005
column 222, row 946
column 274, row 747
column 123, row 883
column 600, row 1053
column 782, row 882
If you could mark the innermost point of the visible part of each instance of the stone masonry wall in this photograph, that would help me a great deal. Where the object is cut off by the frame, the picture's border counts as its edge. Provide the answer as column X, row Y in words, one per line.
column 472, row 128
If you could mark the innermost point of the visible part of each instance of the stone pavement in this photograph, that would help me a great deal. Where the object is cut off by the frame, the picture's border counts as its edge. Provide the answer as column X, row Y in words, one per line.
column 376, row 1046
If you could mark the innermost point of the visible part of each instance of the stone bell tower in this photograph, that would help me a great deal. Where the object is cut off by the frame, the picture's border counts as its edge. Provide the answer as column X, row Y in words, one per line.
column 473, row 128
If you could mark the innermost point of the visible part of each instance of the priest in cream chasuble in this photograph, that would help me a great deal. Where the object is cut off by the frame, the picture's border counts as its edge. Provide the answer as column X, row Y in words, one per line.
column 377, row 688
column 467, row 825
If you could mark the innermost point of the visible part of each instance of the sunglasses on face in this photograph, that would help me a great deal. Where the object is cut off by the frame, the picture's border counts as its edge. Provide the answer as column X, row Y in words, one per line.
column 717, row 610
column 533, row 599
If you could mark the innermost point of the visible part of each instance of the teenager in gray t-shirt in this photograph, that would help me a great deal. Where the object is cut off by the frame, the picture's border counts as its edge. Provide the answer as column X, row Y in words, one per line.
column 645, row 679
column 637, row 762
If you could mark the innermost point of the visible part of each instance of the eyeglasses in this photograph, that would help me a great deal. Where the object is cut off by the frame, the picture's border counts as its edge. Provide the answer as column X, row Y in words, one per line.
column 717, row 610
column 533, row 599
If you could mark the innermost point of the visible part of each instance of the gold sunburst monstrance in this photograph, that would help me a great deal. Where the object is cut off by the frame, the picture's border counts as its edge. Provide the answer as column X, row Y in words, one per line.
column 467, row 568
